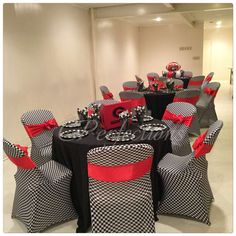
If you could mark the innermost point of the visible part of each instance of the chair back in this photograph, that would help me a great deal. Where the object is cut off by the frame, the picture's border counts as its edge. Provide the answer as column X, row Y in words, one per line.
column 18, row 155
column 179, row 115
column 130, row 85
column 136, row 98
column 204, row 142
column 196, row 82
column 106, row 92
column 187, row 74
column 188, row 95
column 33, row 120
column 178, row 83
column 208, row 94
column 120, row 162
column 207, row 80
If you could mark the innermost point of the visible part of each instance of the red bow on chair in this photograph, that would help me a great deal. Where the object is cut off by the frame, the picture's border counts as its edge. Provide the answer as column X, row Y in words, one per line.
column 199, row 147
column 23, row 148
column 210, row 92
column 187, row 120
column 36, row 129
column 108, row 95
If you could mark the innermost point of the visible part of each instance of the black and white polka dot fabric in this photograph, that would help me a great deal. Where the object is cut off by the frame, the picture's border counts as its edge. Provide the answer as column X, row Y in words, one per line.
column 196, row 82
column 179, row 131
column 41, row 150
column 207, row 80
column 206, row 106
column 42, row 195
column 187, row 192
column 192, row 96
column 121, row 207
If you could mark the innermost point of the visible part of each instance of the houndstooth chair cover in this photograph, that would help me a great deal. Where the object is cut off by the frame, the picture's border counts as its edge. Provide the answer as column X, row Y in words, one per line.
column 196, row 82
column 206, row 106
column 191, row 96
column 130, row 85
column 179, row 131
column 41, row 150
column 178, row 83
column 42, row 195
column 187, row 191
column 106, row 92
column 121, row 207
column 207, row 80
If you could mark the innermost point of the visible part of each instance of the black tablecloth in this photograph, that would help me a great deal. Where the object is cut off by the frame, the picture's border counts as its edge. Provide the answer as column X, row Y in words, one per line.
column 186, row 81
column 73, row 154
column 157, row 102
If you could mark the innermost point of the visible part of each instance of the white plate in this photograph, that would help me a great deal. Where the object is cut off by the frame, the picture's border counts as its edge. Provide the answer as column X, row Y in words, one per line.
column 73, row 134
column 145, row 119
column 122, row 136
column 153, row 127
column 72, row 124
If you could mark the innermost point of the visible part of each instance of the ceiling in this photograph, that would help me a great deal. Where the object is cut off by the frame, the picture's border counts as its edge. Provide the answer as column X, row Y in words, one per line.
column 179, row 13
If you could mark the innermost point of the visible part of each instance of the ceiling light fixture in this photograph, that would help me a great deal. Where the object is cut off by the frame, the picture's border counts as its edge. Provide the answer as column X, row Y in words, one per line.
column 219, row 22
column 158, row 19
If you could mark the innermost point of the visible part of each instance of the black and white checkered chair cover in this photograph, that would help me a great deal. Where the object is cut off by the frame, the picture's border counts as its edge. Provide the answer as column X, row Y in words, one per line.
column 206, row 106
column 191, row 96
column 41, row 150
column 42, row 195
column 196, row 82
column 187, row 191
column 178, row 83
column 207, row 80
column 106, row 92
column 121, row 206
column 130, row 85
column 179, row 131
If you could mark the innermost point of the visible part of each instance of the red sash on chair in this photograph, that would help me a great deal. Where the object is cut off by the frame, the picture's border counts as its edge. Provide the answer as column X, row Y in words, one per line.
column 210, row 91
column 178, row 86
column 107, row 95
column 128, row 88
column 195, row 83
column 192, row 100
column 120, row 173
column 201, row 148
column 186, row 120
column 36, row 129
column 24, row 162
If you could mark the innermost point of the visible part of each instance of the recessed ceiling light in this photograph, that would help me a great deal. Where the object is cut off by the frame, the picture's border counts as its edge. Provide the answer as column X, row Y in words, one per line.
column 158, row 19
column 219, row 22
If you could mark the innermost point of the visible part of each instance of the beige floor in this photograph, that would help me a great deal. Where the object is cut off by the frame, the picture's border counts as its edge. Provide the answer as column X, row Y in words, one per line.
column 220, row 177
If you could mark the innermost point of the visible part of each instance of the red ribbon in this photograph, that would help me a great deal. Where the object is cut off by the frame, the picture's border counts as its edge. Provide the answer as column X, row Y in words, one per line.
column 36, row 129
column 192, row 100
column 208, row 78
column 24, row 162
column 107, row 95
column 187, row 120
column 199, row 147
column 135, row 101
column 120, row 173
column 210, row 91
column 195, row 83
column 128, row 88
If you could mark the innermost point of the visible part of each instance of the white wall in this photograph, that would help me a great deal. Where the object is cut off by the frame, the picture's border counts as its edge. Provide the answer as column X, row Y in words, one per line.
column 159, row 45
column 116, row 54
column 47, row 62
column 218, row 52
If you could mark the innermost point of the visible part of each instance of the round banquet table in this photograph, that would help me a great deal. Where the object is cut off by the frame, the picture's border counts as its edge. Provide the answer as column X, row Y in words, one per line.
column 157, row 102
column 185, row 81
column 73, row 154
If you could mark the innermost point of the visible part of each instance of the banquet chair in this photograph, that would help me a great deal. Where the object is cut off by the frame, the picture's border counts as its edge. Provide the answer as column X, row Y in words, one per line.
column 178, row 84
column 186, row 188
column 207, row 80
column 190, row 96
column 120, row 189
column 103, row 102
column 106, row 92
column 39, row 125
column 205, row 105
column 178, row 116
column 187, row 74
column 196, row 82
column 42, row 194
column 130, row 85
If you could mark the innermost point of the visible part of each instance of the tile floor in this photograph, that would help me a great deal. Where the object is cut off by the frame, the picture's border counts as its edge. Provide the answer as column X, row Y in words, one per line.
column 220, row 177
